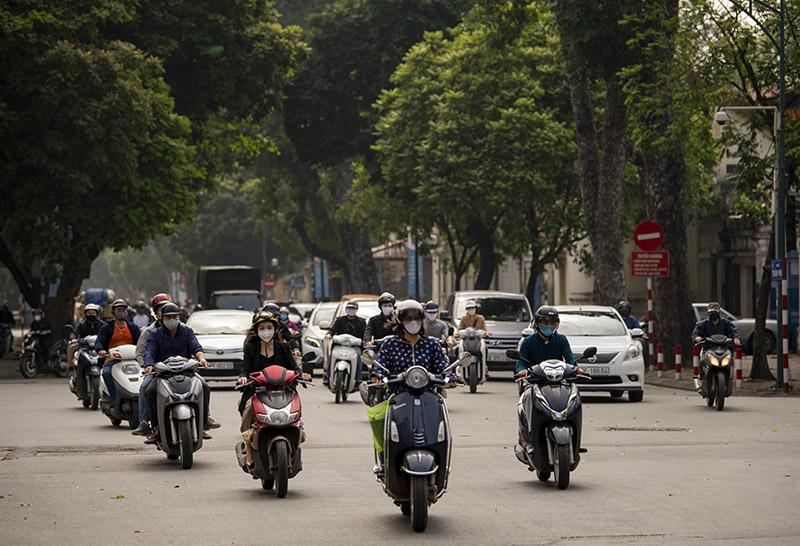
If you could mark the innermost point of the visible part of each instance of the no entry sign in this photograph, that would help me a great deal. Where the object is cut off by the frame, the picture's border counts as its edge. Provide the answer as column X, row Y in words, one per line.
column 268, row 283
column 648, row 236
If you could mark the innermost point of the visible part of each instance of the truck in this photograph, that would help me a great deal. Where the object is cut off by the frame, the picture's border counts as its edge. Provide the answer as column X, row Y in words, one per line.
column 229, row 287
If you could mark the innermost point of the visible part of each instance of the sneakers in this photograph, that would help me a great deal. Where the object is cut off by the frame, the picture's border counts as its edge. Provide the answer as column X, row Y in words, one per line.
column 143, row 429
column 211, row 424
column 207, row 436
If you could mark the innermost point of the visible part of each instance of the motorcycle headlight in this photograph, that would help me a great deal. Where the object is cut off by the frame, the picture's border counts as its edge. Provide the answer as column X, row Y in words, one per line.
column 726, row 360
column 185, row 397
column 314, row 342
column 713, row 360
column 633, row 352
column 130, row 369
column 277, row 418
column 417, row 378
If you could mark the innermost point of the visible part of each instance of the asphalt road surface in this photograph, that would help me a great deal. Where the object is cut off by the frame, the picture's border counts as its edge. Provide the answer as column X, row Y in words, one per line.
column 668, row 470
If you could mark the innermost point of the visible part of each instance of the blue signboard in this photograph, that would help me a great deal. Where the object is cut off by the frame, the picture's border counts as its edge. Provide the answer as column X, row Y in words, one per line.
column 414, row 271
column 777, row 270
column 321, row 285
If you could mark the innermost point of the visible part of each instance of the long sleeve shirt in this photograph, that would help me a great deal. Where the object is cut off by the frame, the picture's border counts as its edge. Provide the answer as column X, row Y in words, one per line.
column 397, row 354
column 534, row 349
column 707, row 328
column 473, row 321
column 355, row 326
column 161, row 344
column 380, row 326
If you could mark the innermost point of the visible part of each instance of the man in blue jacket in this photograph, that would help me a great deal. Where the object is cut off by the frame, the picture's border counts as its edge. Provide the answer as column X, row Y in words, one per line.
column 545, row 343
column 715, row 324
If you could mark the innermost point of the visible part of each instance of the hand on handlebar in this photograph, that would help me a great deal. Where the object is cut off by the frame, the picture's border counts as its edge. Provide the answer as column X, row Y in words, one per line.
column 375, row 380
column 522, row 373
column 737, row 342
column 148, row 370
column 241, row 381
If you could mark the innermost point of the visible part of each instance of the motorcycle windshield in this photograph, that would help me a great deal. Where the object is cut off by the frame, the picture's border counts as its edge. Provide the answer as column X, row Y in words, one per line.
column 180, row 384
column 275, row 399
column 557, row 396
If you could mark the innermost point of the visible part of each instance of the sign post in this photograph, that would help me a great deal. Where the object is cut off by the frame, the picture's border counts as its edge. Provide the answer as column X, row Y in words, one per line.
column 649, row 236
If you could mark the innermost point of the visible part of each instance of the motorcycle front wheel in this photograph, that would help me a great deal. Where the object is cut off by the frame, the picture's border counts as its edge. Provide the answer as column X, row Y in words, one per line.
column 561, row 465
column 419, row 503
column 473, row 378
column 187, row 447
column 721, row 390
column 94, row 391
column 27, row 366
column 281, row 469
column 337, row 386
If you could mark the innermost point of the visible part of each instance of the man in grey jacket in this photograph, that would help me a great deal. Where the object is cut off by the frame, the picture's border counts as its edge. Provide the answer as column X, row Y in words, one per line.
column 159, row 300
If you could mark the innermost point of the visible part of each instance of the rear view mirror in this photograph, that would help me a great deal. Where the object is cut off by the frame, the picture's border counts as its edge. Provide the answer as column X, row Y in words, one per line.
column 637, row 332
column 513, row 354
column 445, row 315
column 308, row 357
column 324, row 324
column 589, row 352
column 528, row 332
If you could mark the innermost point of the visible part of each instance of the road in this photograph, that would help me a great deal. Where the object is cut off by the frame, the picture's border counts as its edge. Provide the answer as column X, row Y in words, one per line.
column 667, row 470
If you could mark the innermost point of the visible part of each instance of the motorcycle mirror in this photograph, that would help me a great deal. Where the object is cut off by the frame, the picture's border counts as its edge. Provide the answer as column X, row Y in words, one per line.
column 308, row 357
column 637, row 332
column 513, row 354
column 589, row 351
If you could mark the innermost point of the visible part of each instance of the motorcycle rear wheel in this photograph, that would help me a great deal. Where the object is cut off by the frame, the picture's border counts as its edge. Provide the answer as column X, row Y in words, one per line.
column 473, row 378
column 721, row 390
column 27, row 366
column 561, row 465
column 419, row 503
column 94, row 391
column 187, row 447
column 281, row 468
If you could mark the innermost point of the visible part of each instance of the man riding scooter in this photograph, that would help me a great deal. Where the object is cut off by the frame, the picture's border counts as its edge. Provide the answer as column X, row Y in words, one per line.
column 351, row 324
column 158, row 301
column 90, row 326
column 714, row 324
column 113, row 334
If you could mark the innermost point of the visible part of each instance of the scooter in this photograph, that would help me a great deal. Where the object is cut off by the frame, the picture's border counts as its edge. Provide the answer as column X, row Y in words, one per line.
column 525, row 333
column 127, row 376
column 716, row 365
column 472, row 354
column 372, row 394
column 180, row 408
column 343, row 367
column 414, row 465
column 550, row 419
column 33, row 361
column 88, row 360
column 277, row 431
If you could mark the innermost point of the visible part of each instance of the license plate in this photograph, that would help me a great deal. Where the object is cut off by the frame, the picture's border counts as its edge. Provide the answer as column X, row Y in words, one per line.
column 596, row 370
column 497, row 357
column 220, row 364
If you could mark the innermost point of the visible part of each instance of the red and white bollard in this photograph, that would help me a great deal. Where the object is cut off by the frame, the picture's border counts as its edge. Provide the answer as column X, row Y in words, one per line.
column 738, row 364
column 660, row 360
column 650, row 338
column 785, row 314
column 678, row 362
column 696, row 367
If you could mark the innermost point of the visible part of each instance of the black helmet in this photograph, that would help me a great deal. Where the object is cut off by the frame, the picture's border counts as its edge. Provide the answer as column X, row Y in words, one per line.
column 623, row 304
column 170, row 309
column 352, row 304
column 272, row 308
column 119, row 302
column 386, row 297
column 431, row 306
column 548, row 313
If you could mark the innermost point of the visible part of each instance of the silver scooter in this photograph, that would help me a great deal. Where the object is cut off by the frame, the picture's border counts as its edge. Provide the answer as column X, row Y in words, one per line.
column 472, row 355
column 86, row 358
column 343, row 366
column 127, row 376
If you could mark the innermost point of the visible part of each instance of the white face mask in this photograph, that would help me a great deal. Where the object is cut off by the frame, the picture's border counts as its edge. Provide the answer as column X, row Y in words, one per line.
column 412, row 326
column 387, row 310
column 266, row 335
column 351, row 312
column 470, row 312
column 37, row 317
column 171, row 324
column 431, row 316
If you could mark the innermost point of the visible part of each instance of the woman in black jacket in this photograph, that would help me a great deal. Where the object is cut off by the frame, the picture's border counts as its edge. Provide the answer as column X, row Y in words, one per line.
column 263, row 347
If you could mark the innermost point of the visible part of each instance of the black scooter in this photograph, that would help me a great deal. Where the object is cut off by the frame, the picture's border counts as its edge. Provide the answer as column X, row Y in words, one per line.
column 33, row 360
column 716, row 365
column 415, row 463
column 550, row 419
column 87, row 361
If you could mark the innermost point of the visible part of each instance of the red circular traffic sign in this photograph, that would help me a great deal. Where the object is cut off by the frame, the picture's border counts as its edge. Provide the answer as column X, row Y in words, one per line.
column 268, row 283
column 648, row 236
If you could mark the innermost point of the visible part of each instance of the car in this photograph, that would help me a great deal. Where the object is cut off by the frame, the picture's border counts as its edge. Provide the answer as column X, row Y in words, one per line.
column 746, row 327
column 318, row 323
column 507, row 314
column 221, row 332
column 618, row 366
column 304, row 311
column 249, row 300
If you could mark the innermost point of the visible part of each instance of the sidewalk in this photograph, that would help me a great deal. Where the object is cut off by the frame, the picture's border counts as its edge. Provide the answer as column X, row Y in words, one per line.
column 749, row 387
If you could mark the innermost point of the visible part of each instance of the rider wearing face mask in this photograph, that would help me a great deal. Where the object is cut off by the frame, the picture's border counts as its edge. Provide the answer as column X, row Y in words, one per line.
column 286, row 334
column 410, row 347
column 434, row 326
column 113, row 334
column 472, row 319
column 263, row 347
column 90, row 326
column 352, row 324
column 715, row 324
column 383, row 324
column 545, row 343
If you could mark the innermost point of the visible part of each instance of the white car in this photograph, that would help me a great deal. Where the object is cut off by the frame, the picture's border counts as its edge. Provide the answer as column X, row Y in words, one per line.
column 618, row 366
column 221, row 332
column 314, row 331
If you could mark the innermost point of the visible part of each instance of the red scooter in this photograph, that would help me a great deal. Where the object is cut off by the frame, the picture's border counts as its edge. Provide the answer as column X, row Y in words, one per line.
column 277, row 430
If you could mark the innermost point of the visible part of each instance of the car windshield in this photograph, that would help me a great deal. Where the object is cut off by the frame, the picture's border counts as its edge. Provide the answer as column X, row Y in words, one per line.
column 219, row 323
column 248, row 302
column 366, row 309
column 324, row 313
column 591, row 323
column 498, row 309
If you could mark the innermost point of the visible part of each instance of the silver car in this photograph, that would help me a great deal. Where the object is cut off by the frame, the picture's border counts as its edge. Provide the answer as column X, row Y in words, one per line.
column 746, row 326
column 221, row 332
column 320, row 319
column 618, row 366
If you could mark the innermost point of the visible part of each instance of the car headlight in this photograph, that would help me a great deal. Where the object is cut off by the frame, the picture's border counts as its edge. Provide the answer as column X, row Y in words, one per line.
column 277, row 417
column 130, row 369
column 417, row 377
column 633, row 352
column 314, row 342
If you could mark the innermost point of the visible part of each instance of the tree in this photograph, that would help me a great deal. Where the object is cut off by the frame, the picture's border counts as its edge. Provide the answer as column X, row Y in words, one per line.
column 470, row 142
column 93, row 154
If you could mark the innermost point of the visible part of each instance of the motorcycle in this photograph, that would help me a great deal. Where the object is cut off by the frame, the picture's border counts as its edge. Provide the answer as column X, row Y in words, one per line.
column 88, row 360
column 180, row 408
column 127, row 376
column 33, row 361
column 472, row 354
column 525, row 333
column 6, row 338
column 343, row 367
column 414, row 465
column 372, row 394
column 277, row 431
column 550, row 419
column 716, row 369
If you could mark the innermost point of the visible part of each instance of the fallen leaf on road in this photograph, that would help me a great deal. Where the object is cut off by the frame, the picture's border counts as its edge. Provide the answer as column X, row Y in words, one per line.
column 775, row 430
column 26, row 517
column 177, row 486
column 622, row 452
column 120, row 497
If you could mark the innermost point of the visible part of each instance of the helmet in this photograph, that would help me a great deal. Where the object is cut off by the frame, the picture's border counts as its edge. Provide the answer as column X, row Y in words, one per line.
column 470, row 303
column 264, row 316
column 159, row 299
column 170, row 309
column 352, row 304
column 714, row 307
column 431, row 306
column 623, row 304
column 93, row 307
column 386, row 297
column 119, row 302
column 272, row 308
column 408, row 308
column 284, row 310
column 546, row 312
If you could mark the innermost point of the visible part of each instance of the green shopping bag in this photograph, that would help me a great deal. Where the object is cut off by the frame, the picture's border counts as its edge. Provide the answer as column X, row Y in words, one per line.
column 377, row 419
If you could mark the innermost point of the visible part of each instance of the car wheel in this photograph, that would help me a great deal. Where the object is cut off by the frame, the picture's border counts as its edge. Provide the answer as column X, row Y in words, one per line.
column 770, row 343
column 635, row 396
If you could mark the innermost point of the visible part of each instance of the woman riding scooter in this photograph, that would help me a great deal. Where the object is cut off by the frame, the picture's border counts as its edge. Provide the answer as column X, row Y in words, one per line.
column 263, row 347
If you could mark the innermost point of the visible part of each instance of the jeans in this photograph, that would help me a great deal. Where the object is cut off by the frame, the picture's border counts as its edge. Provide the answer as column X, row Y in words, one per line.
column 110, row 385
column 142, row 401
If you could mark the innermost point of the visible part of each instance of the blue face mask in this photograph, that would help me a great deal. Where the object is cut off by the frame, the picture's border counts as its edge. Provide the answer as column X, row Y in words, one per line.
column 284, row 317
column 547, row 331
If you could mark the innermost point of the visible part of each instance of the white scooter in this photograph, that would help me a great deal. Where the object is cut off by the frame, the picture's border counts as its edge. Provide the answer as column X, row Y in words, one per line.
column 127, row 376
column 343, row 366
column 472, row 356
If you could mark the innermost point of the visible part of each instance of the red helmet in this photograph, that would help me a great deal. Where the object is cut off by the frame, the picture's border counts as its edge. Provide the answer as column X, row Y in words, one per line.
column 159, row 299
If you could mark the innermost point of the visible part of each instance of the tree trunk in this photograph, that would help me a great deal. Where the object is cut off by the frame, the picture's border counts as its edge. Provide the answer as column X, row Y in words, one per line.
column 530, row 288
column 361, row 274
column 487, row 258
column 61, row 308
column 760, row 367
column 21, row 275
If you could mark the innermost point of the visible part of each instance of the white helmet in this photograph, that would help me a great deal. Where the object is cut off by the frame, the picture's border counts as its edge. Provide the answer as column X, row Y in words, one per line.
column 470, row 303
column 409, row 307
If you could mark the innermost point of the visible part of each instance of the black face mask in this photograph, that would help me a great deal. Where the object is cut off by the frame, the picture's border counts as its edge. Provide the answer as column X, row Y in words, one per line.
column 713, row 316
column 91, row 318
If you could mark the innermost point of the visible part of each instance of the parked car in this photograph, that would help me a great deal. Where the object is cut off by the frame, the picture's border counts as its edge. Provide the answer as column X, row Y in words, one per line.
column 304, row 311
column 618, row 366
column 507, row 314
column 318, row 323
column 746, row 327
column 221, row 332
